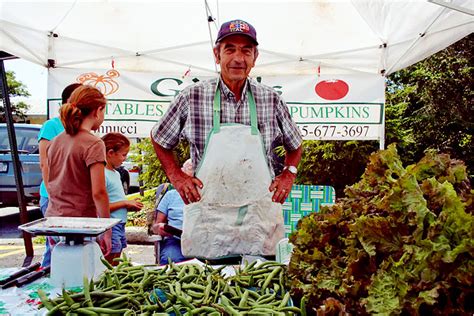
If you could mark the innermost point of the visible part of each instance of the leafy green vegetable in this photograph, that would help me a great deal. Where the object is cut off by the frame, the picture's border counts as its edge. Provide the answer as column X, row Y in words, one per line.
column 400, row 242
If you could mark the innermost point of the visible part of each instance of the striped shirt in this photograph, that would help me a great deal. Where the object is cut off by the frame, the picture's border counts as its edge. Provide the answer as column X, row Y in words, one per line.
column 189, row 117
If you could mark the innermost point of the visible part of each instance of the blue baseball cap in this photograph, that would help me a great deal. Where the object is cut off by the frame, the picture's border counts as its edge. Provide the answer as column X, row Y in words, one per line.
column 237, row 27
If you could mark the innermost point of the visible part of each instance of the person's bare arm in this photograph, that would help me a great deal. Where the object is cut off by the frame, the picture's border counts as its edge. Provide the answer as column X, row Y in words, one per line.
column 99, row 191
column 101, row 201
column 43, row 155
column 282, row 184
column 132, row 205
column 158, row 227
column 187, row 186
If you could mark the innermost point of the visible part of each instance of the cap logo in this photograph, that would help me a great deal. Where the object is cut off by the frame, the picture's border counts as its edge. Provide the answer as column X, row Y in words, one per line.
column 239, row 26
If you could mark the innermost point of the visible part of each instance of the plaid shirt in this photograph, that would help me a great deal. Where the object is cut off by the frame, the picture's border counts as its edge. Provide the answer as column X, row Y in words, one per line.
column 190, row 117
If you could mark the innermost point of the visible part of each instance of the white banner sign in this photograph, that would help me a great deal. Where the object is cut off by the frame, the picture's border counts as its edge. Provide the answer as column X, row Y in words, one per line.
column 345, row 107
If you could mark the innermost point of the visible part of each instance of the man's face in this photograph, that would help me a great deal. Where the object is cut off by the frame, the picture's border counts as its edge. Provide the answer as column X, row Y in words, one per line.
column 236, row 55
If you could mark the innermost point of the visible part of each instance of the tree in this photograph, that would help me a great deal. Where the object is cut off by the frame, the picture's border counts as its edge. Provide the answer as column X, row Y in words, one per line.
column 16, row 89
column 430, row 105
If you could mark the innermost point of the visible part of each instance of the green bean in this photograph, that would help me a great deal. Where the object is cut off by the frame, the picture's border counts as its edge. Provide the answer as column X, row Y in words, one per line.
column 203, row 309
column 102, row 310
column 290, row 309
column 285, row 300
column 243, row 299
column 106, row 263
column 67, row 298
column 57, row 308
column 86, row 311
column 114, row 301
column 87, row 295
column 303, row 306
column 270, row 277
column 44, row 299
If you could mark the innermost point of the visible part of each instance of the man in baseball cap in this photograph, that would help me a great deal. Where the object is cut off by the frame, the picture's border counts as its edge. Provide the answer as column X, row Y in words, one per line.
column 233, row 125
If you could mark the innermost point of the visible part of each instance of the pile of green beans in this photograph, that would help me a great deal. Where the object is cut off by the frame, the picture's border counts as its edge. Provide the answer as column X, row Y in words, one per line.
column 185, row 289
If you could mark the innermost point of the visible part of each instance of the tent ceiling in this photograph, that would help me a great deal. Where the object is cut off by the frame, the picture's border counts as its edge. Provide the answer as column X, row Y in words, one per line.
column 296, row 37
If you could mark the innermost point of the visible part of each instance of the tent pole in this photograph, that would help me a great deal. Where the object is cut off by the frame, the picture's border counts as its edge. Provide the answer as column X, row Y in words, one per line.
column 453, row 7
column 409, row 49
column 16, row 164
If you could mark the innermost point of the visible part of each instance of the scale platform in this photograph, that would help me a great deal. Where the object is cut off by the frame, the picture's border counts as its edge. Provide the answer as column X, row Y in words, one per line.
column 73, row 258
column 69, row 226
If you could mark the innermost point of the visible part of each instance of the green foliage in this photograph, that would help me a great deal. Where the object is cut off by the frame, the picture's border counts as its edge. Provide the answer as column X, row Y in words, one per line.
column 430, row 105
column 335, row 163
column 400, row 242
column 16, row 89
column 144, row 155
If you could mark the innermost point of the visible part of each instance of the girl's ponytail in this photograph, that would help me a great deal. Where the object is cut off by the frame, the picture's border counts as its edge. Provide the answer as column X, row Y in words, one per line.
column 71, row 117
column 83, row 101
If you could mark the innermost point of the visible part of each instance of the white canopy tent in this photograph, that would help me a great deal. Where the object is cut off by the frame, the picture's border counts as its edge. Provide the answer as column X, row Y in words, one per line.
column 296, row 37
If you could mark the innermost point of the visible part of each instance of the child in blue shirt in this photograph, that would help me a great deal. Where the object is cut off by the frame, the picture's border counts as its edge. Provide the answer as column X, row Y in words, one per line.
column 117, row 147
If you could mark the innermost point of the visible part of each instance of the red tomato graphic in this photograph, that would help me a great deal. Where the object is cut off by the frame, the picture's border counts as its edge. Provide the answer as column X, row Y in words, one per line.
column 332, row 89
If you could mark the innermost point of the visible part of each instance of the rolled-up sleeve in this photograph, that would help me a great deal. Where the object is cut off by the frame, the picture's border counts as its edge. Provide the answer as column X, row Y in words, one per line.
column 167, row 131
column 291, row 135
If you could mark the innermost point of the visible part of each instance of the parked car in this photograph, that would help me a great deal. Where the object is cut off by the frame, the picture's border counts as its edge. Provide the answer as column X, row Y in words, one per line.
column 28, row 150
column 133, row 171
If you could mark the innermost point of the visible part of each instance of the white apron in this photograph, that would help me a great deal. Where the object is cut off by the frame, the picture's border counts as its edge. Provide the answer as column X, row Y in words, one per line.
column 235, row 215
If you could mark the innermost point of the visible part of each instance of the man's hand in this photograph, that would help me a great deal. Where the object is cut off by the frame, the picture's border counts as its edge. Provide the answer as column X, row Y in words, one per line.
column 187, row 186
column 159, row 229
column 282, row 186
column 106, row 242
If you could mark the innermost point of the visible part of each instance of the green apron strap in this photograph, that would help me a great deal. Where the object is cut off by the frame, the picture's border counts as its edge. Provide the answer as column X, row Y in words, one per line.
column 216, row 110
column 253, row 111
column 241, row 215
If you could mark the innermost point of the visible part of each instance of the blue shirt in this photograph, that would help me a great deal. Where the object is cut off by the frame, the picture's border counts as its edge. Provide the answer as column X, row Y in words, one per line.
column 172, row 206
column 50, row 129
column 116, row 193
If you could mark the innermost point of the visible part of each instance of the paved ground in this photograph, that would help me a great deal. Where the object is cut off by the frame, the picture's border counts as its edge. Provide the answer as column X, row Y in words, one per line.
column 12, row 253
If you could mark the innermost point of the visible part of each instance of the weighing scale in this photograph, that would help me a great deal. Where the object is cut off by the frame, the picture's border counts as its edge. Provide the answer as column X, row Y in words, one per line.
column 74, row 257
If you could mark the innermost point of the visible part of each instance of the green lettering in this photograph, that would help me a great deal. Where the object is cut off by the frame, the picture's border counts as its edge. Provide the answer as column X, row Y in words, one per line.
column 137, row 109
column 117, row 109
column 304, row 112
column 316, row 112
column 366, row 111
column 355, row 112
column 159, row 110
column 128, row 108
column 339, row 112
column 293, row 110
column 329, row 110
column 149, row 110
column 155, row 87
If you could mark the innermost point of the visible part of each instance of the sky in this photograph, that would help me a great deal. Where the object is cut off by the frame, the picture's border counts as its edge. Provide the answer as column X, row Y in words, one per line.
column 34, row 77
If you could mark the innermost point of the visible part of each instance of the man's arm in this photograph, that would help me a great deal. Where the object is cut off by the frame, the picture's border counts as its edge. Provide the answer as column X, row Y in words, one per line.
column 283, row 183
column 187, row 186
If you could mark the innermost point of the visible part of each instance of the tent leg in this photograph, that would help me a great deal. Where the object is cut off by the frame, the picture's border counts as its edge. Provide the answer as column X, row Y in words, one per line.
column 16, row 160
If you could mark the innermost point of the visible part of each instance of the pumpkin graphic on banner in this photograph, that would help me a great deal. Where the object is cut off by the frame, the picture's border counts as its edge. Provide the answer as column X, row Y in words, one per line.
column 105, row 83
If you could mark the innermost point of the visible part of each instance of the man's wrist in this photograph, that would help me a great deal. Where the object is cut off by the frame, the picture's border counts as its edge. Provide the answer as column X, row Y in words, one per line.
column 291, row 169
